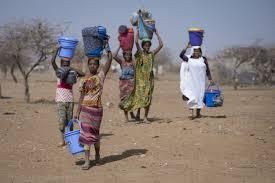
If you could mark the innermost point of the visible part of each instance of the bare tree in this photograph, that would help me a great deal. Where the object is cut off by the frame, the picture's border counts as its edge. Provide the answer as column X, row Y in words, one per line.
column 240, row 55
column 264, row 65
column 29, row 44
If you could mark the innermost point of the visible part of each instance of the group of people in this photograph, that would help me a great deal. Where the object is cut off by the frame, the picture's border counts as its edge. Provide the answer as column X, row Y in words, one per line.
column 136, row 85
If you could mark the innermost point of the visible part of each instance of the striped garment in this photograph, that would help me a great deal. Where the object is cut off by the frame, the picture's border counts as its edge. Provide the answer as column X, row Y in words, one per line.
column 91, row 108
column 90, row 118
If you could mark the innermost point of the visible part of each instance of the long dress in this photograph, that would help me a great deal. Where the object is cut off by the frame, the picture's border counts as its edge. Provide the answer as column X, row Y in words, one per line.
column 91, row 108
column 141, row 96
column 192, row 81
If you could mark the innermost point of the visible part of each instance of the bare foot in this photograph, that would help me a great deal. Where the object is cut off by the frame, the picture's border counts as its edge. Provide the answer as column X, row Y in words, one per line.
column 86, row 165
column 61, row 144
column 146, row 120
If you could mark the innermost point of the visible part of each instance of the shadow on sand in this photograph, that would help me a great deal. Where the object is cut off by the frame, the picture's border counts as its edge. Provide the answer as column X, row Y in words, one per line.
column 113, row 158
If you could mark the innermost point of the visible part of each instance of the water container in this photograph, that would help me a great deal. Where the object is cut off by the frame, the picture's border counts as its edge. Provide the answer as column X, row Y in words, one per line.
column 72, row 137
column 195, row 36
column 143, row 30
column 211, row 97
column 126, row 40
column 68, row 46
column 93, row 39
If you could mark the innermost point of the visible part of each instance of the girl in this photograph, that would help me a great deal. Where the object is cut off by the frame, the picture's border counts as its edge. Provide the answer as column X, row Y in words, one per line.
column 64, row 95
column 126, row 80
column 90, row 109
column 141, row 96
column 193, row 71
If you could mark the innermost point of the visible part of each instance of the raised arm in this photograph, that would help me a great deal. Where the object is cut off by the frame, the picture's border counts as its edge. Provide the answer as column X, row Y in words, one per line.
column 160, row 43
column 117, row 59
column 136, row 41
column 182, row 54
column 109, row 60
column 55, row 67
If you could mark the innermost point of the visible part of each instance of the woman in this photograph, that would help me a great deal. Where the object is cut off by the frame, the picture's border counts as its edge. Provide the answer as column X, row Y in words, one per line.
column 141, row 96
column 193, row 71
column 90, row 109
column 126, row 80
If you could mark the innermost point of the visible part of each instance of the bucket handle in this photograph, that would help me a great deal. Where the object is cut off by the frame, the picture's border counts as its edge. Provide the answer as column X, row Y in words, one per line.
column 215, row 84
column 70, row 123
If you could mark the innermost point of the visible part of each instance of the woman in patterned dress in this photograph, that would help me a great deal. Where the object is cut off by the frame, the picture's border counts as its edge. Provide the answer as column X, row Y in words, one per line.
column 126, row 80
column 90, row 110
column 141, row 96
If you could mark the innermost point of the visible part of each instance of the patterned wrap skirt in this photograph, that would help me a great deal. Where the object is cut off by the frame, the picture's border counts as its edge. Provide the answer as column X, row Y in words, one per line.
column 90, row 118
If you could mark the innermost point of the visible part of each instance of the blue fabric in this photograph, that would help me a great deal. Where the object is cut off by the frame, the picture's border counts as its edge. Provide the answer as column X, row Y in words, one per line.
column 127, row 73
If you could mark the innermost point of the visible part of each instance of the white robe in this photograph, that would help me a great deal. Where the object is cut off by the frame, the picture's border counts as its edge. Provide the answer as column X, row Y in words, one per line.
column 192, row 81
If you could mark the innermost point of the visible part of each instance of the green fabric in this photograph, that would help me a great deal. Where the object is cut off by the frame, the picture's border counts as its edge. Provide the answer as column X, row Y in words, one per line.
column 65, row 114
column 141, row 96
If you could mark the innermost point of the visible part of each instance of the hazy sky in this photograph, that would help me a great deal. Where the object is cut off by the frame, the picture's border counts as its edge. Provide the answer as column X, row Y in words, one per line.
column 226, row 22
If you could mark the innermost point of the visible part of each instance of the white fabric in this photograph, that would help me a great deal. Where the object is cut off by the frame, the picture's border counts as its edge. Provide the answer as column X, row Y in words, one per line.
column 63, row 94
column 192, row 81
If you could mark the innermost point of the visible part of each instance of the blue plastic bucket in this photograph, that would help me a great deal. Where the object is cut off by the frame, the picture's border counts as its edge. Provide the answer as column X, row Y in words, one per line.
column 210, row 97
column 68, row 46
column 72, row 137
column 211, row 94
column 196, row 37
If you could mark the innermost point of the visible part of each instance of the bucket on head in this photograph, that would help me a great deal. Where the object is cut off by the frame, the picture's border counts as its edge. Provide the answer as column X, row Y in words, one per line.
column 126, row 40
column 93, row 39
column 72, row 138
column 67, row 46
column 196, row 36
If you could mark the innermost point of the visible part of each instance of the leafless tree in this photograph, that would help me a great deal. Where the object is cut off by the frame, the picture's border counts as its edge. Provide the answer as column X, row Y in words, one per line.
column 240, row 55
column 29, row 44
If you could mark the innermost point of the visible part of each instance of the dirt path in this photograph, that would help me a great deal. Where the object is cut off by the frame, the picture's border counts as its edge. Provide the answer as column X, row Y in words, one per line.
column 235, row 143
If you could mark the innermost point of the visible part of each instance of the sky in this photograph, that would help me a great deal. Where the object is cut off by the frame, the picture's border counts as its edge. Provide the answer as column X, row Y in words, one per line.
column 226, row 22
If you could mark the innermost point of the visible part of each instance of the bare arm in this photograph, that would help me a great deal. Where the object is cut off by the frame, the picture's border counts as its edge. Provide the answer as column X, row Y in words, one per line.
column 55, row 67
column 160, row 44
column 117, row 59
column 182, row 54
column 79, row 106
column 136, row 41
column 109, row 60
column 79, row 72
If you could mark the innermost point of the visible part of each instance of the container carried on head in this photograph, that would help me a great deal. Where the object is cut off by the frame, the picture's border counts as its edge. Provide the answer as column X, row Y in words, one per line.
column 143, row 19
column 126, row 38
column 72, row 138
column 68, row 46
column 196, row 36
column 94, row 39
column 213, row 97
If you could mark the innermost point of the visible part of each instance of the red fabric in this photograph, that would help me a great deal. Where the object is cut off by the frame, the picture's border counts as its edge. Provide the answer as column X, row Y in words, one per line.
column 65, row 85
column 127, row 40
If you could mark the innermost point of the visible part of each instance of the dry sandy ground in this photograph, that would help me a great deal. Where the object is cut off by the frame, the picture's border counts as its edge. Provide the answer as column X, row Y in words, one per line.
column 234, row 144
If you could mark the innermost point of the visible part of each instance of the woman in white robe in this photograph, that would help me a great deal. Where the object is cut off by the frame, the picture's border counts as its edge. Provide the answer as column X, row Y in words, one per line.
column 193, row 72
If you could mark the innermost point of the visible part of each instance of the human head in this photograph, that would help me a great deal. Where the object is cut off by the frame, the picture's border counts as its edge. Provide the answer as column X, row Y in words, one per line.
column 65, row 62
column 127, row 55
column 93, row 64
column 197, row 53
column 146, row 44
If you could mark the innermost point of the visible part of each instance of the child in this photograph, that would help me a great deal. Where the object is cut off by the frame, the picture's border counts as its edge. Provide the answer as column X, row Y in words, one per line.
column 64, row 94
